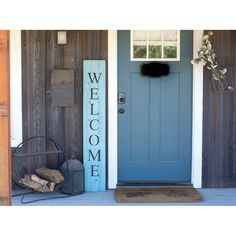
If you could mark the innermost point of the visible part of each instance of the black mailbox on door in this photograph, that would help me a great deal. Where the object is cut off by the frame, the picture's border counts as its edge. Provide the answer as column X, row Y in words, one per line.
column 62, row 87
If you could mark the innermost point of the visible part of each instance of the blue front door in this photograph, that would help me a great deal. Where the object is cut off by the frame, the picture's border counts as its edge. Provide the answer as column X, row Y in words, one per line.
column 155, row 120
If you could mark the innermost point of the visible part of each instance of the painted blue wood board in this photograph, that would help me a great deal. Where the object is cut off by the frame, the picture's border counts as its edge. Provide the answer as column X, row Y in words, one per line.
column 139, row 96
column 94, row 124
column 154, row 132
column 169, row 111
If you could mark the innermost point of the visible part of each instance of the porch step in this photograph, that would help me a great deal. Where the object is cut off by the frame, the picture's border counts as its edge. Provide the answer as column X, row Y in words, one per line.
column 154, row 184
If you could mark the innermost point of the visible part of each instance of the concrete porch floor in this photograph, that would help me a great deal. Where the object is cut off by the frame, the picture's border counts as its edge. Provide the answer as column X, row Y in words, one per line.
column 211, row 197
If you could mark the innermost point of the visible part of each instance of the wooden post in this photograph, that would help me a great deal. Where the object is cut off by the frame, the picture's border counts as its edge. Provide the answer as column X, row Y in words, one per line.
column 5, row 150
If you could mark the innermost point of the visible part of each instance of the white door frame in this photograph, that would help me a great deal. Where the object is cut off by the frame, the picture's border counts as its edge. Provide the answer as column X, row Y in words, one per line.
column 197, row 112
column 16, row 87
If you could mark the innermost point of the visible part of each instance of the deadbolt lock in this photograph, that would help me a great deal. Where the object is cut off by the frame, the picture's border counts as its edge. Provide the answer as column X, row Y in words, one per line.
column 121, row 98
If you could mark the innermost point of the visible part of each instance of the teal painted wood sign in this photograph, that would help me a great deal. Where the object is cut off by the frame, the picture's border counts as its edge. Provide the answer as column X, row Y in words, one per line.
column 94, row 125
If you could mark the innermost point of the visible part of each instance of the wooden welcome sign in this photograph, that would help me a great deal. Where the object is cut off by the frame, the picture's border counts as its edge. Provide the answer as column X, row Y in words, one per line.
column 94, row 125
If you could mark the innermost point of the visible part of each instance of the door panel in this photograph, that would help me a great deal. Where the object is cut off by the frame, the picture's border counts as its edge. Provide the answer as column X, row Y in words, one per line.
column 154, row 132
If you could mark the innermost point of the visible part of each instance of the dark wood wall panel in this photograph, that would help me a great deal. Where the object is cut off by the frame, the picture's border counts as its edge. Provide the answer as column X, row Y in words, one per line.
column 219, row 118
column 40, row 55
column 72, row 114
column 54, row 115
column 34, row 93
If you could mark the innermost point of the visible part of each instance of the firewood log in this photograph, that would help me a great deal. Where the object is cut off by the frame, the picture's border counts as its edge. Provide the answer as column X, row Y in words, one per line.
column 39, row 180
column 50, row 175
column 51, row 186
column 26, row 181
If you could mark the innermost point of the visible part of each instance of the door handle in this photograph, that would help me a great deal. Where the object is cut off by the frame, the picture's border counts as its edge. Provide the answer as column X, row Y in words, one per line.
column 121, row 110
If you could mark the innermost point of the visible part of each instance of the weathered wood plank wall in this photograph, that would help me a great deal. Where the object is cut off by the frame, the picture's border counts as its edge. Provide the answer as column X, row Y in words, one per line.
column 219, row 118
column 5, row 156
column 41, row 54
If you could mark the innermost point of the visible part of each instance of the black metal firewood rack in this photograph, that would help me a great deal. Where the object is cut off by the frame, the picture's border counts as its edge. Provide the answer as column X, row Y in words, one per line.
column 17, row 155
column 43, row 139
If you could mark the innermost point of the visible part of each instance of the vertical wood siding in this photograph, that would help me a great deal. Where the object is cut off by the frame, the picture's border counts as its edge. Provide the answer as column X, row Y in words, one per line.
column 41, row 54
column 5, row 156
column 219, row 118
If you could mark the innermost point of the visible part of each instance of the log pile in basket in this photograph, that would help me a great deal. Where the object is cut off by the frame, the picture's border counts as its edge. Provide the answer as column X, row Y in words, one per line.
column 45, row 180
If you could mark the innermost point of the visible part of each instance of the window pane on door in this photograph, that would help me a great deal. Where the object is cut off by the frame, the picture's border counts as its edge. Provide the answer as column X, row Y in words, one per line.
column 170, row 51
column 154, row 51
column 169, row 35
column 140, row 51
column 154, row 36
column 139, row 35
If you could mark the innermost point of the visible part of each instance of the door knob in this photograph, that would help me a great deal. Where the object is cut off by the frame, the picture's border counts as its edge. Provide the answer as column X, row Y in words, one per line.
column 121, row 110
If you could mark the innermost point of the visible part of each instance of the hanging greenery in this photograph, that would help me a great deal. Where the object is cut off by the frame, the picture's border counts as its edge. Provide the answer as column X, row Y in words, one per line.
column 207, row 57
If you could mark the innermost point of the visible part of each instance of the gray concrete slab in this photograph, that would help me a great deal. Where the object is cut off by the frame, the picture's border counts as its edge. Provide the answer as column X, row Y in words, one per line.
column 211, row 197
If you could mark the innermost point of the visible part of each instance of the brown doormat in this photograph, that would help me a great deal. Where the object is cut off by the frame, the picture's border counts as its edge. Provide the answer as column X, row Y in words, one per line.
column 157, row 194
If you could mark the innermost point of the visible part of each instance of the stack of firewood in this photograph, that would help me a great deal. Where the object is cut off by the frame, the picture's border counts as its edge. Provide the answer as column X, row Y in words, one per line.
column 44, row 180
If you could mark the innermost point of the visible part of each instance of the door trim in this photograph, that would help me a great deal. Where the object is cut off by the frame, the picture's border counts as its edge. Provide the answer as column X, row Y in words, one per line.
column 112, row 110
column 197, row 112
column 16, row 87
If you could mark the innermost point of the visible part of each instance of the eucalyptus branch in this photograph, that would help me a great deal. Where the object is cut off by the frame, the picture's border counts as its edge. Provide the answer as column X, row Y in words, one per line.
column 207, row 57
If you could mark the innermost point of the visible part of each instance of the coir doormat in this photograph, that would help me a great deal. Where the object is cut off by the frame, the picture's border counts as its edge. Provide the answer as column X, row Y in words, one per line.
column 157, row 194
